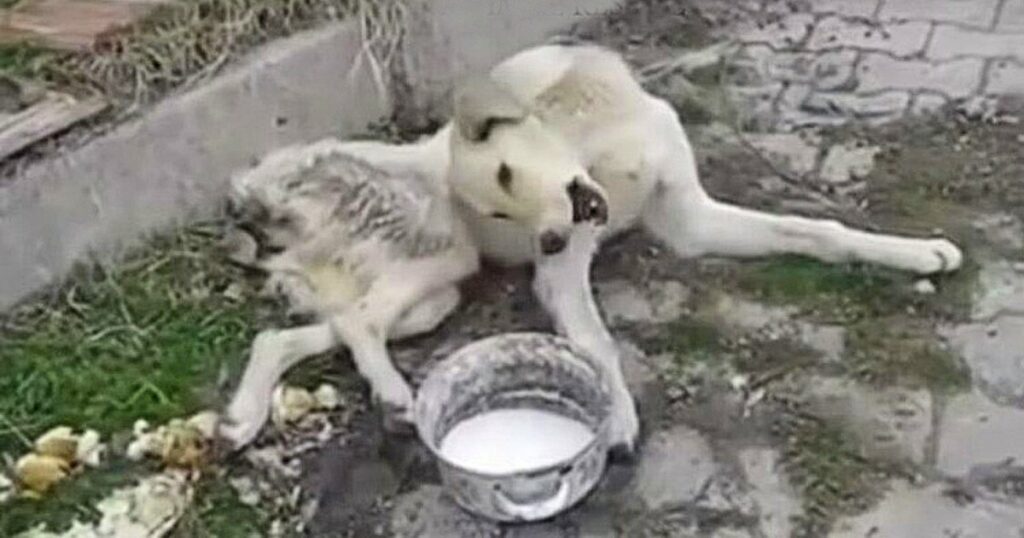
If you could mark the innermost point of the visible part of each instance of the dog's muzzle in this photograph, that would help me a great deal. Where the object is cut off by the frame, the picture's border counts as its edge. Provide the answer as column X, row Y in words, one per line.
column 587, row 204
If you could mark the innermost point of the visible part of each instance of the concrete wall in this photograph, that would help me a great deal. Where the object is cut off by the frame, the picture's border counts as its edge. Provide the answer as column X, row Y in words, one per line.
column 172, row 163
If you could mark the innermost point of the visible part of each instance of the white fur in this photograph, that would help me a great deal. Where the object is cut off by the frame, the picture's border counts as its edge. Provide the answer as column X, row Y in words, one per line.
column 591, row 120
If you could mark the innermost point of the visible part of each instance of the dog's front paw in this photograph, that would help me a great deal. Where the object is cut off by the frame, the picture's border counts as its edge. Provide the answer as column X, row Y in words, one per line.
column 938, row 256
column 242, row 421
column 396, row 399
column 625, row 428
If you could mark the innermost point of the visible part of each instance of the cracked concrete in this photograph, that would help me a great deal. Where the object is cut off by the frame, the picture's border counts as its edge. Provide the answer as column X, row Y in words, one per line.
column 904, row 56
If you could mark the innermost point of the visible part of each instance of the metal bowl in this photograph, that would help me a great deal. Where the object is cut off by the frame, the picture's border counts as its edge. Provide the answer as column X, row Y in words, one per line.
column 517, row 370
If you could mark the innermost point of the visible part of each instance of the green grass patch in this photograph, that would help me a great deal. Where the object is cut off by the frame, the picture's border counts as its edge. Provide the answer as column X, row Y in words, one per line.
column 832, row 477
column 217, row 512
column 691, row 341
column 898, row 350
column 148, row 339
column 22, row 60
column 807, row 282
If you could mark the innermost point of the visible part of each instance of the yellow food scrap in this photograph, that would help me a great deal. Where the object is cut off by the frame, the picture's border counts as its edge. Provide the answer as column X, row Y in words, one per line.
column 38, row 473
column 291, row 404
column 327, row 397
column 184, row 446
column 59, row 442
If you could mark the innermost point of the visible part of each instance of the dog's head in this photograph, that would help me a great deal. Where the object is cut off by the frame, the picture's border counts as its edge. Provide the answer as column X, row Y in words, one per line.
column 507, row 164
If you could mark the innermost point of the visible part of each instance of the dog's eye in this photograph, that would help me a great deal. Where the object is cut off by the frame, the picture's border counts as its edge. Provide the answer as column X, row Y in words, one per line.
column 500, row 216
column 505, row 177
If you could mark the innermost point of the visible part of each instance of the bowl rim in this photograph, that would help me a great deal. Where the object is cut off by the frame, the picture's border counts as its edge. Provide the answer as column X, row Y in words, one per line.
column 582, row 356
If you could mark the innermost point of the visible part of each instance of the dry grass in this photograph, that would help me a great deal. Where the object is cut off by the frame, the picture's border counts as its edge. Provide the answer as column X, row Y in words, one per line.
column 182, row 44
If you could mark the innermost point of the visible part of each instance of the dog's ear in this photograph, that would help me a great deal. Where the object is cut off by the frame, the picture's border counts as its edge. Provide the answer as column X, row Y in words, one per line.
column 480, row 105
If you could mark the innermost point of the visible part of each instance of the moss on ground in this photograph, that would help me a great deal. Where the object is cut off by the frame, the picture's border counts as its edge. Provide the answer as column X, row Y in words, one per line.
column 898, row 350
column 218, row 513
column 800, row 281
column 149, row 338
column 833, row 479
column 22, row 60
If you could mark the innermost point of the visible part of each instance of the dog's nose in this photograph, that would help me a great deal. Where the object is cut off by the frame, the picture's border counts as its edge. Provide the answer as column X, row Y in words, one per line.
column 552, row 242
column 587, row 203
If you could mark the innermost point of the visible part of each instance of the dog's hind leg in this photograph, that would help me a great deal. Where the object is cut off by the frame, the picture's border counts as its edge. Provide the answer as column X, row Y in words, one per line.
column 426, row 315
column 366, row 325
column 682, row 215
column 425, row 285
column 562, row 283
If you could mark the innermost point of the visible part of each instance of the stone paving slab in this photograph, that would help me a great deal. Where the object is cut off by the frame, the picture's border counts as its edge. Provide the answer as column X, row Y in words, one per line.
column 879, row 61
column 956, row 79
column 980, row 13
column 848, row 8
column 1011, row 20
column 904, row 38
column 1005, row 78
column 952, row 42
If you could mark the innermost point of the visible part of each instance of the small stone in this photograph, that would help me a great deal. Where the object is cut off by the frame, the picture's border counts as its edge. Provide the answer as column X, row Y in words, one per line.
column 924, row 287
column 739, row 382
column 246, row 490
column 234, row 292
column 1018, row 267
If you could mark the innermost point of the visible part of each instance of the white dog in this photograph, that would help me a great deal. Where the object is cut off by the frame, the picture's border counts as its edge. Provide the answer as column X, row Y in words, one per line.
column 556, row 149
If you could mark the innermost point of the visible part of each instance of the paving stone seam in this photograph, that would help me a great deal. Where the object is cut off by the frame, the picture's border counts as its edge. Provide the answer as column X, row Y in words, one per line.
column 997, row 15
column 986, row 74
column 882, row 52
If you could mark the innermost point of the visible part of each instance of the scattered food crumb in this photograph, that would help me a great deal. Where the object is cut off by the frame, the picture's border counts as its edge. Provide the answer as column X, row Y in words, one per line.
column 327, row 397
column 180, row 443
column 90, row 450
column 924, row 287
column 739, row 382
column 6, row 488
column 206, row 423
column 150, row 509
column 290, row 404
column 246, row 489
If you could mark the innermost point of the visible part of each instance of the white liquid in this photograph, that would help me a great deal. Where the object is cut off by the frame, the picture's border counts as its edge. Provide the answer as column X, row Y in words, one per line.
column 512, row 440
